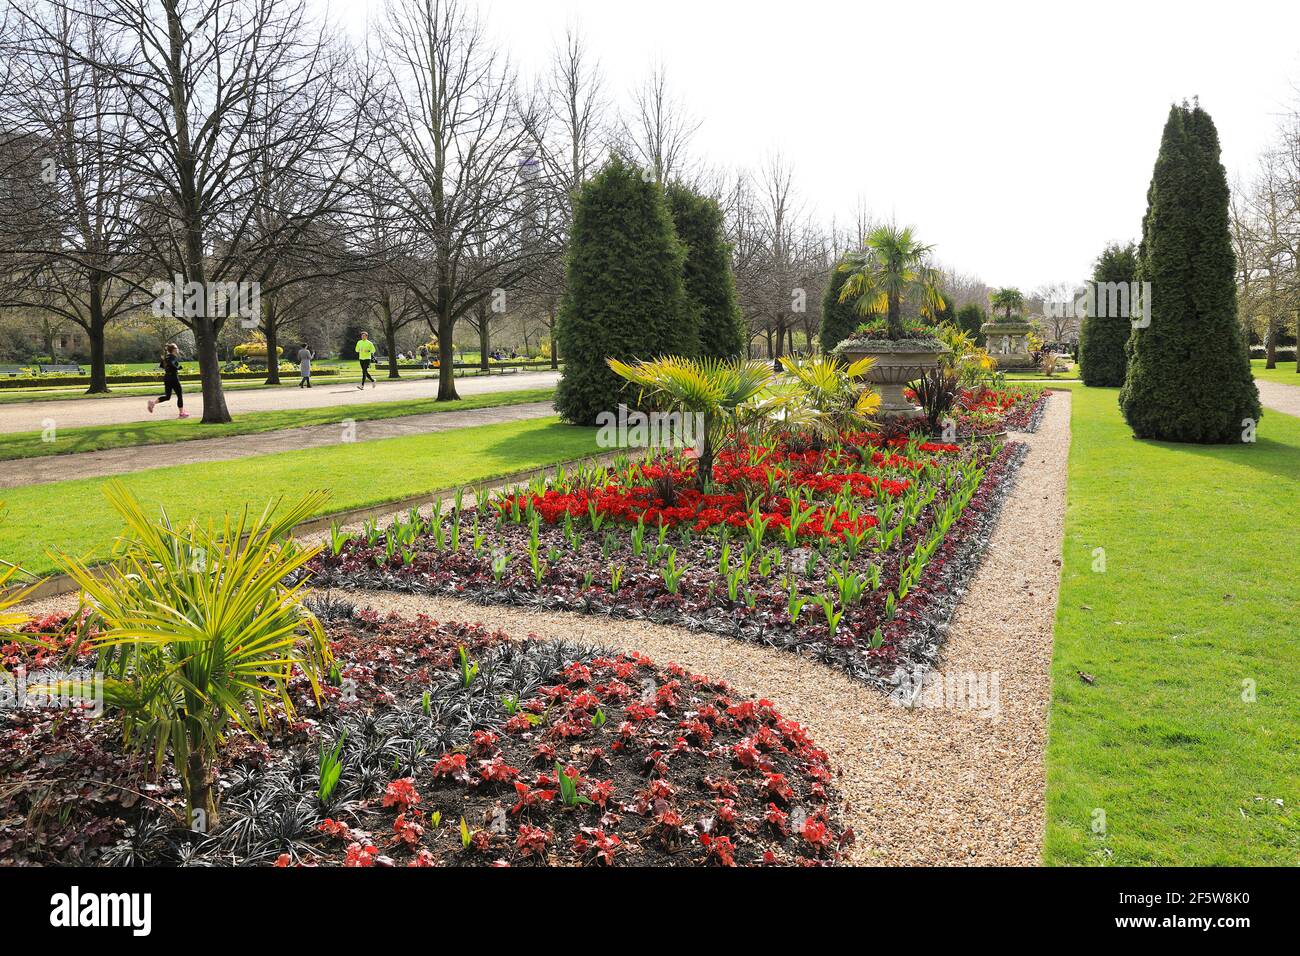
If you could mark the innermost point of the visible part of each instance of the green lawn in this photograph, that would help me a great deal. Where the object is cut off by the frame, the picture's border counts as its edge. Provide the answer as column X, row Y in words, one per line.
column 168, row 430
column 73, row 516
column 1284, row 373
column 1196, row 606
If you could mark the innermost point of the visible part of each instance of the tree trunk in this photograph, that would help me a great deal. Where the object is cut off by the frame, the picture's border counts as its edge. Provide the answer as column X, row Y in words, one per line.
column 704, row 469
column 446, row 358
column 95, row 332
column 484, row 342
column 202, row 795
column 895, row 319
column 390, row 333
column 555, row 345
column 214, row 397
column 272, row 345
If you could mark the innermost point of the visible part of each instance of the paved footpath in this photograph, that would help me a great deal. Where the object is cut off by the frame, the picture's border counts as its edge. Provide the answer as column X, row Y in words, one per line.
column 118, row 461
column 1280, row 398
column 78, row 413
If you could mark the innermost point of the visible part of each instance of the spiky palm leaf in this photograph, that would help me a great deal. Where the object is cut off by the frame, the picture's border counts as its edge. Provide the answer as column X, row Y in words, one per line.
column 829, row 397
column 195, row 627
column 712, row 388
column 891, row 268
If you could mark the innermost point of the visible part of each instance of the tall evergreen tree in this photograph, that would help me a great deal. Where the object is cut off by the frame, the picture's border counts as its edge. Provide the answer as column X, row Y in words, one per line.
column 1189, row 376
column 710, row 284
column 1102, row 338
column 970, row 319
column 839, row 319
column 624, row 297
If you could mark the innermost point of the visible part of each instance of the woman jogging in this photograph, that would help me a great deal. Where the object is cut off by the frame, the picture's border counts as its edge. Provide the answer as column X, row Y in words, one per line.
column 304, row 366
column 171, row 366
column 366, row 352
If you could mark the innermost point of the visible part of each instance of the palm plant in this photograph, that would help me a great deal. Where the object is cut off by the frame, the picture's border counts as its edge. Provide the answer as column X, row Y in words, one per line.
column 1008, row 299
column 196, row 629
column 827, row 396
column 971, row 362
column 890, row 269
column 711, row 388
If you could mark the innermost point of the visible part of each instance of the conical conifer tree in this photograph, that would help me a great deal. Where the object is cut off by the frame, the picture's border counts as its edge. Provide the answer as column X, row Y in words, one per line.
column 710, row 284
column 1102, row 338
column 1189, row 377
column 624, row 297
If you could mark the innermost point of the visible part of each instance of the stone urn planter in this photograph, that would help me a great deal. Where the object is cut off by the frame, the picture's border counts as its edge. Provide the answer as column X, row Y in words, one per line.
column 898, row 362
column 1007, row 343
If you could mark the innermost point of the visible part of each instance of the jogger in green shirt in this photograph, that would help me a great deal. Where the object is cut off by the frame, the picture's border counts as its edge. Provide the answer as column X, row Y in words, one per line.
column 366, row 352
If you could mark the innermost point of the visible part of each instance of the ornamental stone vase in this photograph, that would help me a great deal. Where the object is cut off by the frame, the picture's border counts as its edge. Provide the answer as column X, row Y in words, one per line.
column 898, row 362
column 1007, row 343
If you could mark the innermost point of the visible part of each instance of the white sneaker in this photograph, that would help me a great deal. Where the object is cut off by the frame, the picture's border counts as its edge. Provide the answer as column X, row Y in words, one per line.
column 152, row 402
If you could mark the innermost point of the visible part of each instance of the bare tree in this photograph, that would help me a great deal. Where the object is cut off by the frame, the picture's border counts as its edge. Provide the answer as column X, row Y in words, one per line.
column 459, row 136
column 226, row 99
column 659, row 130
column 65, row 123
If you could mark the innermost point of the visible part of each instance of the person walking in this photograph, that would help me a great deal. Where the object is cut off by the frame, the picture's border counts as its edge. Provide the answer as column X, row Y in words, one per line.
column 365, row 353
column 171, row 366
column 304, row 366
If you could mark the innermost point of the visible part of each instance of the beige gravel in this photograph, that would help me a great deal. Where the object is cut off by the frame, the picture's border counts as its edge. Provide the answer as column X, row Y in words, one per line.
column 933, row 785
column 1280, row 397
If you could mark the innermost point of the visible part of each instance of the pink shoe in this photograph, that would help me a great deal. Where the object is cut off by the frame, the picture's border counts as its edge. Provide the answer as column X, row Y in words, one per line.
column 152, row 402
column 183, row 414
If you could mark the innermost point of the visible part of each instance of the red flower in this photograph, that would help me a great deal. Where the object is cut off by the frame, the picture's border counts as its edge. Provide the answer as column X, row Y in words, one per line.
column 720, row 850
column 402, row 793
column 532, row 841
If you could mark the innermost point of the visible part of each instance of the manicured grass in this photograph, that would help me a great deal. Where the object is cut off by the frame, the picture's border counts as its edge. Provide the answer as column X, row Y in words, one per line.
column 1284, row 373
column 166, row 431
column 74, row 517
column 1196, row 606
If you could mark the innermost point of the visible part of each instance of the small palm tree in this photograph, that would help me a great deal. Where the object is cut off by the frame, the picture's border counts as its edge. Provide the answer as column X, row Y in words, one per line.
column 892, row 268
column 711, row 388
column 1008, row 299
column 196, row 630
column 827, row 396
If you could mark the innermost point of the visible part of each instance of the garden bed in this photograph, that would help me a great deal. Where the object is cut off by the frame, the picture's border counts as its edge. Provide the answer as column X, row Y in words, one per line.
column 456, row 746
column 853, row 554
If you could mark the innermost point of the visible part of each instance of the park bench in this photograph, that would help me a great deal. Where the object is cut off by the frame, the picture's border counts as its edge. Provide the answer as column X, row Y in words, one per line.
column 60, row 369
column 12, row 371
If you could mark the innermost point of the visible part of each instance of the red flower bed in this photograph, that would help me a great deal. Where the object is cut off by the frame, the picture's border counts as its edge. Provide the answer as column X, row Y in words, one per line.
column 550, row 756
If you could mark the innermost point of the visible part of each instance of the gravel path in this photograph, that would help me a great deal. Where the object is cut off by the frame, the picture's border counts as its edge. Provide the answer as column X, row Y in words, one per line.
column 934, row 785
column 1279, row 397
column 77, row 413
column 117, row 461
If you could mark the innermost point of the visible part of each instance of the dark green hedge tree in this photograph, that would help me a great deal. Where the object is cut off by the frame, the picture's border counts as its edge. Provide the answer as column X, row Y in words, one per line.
column 624, row 297
column 839, row 319
column 1189, row 376
column 1102, row 360
column 970, row 318
column 710, row 284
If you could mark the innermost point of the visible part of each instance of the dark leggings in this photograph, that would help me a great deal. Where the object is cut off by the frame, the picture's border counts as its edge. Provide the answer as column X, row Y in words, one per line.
column 171, row 385
column 365, row 372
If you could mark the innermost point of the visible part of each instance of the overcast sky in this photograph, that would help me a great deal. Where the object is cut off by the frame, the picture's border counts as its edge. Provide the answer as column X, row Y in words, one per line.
column 1017, row 137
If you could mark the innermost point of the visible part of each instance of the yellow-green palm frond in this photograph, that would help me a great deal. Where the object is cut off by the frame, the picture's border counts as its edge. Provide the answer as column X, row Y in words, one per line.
column 696, row 385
